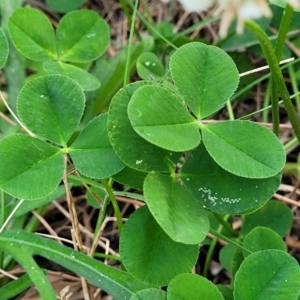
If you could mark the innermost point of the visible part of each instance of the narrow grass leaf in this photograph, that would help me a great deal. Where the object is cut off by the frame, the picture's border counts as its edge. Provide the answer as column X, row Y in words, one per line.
column 149, row 254
column 32, row 34
column 12, row 289
column 92, row 153
column 51, row 106
column 116, row 283
column 82, row 36
column 243, row 148
column 175, row 209
column 283, row 4
column 159, row 116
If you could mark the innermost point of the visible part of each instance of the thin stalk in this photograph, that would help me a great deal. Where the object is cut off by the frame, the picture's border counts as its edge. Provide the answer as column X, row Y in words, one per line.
column 290, row 144
column 114, row 203
column 246, row 117
column 125, row 10
column 276, row 73
column 230, row 110
column 266, row 102
column 213, row 245
column 225, row 224
column 33, row 222
column 228, row 240
column 71, row 206
column 101, row 218
column 2, row 208
column 2, row 220
column 147, row 11
column 283, row 30
column 295, row 86
column 275, row 107
column 151, row 28
column 127, row 68
column 210, row 252
column 102, row 214
column 258, row 80
column 107, row 256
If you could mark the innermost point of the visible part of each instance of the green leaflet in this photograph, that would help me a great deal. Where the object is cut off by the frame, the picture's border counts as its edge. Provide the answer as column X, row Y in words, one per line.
column 158, row 115
column 92, row 153
column 30, row 168
column 149, row 254
column 3, row 48
column 55, row 103
column 271, row 274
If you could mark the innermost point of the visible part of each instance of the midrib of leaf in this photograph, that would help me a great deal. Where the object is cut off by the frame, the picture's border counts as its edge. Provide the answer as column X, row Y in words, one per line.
column 202, row 88
column 166, row 125
column 49, row 252
column 241, row 151
column 282, row 267
column 55, row 114
column 31, row 167
column 153, row 250
column 77, row 41
column 35, row 42
column 90, row 148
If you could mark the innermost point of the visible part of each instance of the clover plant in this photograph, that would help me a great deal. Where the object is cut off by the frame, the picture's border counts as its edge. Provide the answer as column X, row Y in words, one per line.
column 155, row 138
column 81, row 37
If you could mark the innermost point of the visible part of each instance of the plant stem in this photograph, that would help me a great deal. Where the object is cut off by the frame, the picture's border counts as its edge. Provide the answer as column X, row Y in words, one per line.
column 276, row 73
column 107, row 256
column 230, row 110
column 223, row 221
column 266, row 102
column 295, row 86
column 211, row 252
column 125, row 10
column 71, row 206
column 226, row 239
column 2, row 220
column 152, row 29
column 114, row 203
column 275, row 107
column 127, row 69
column 101, row 218
column 283, row 30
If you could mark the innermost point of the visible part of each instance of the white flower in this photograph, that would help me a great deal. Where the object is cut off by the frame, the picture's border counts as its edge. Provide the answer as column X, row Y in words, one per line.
column 196, row 5
column 243, row 10
column 294, row 3
column 229, row 9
